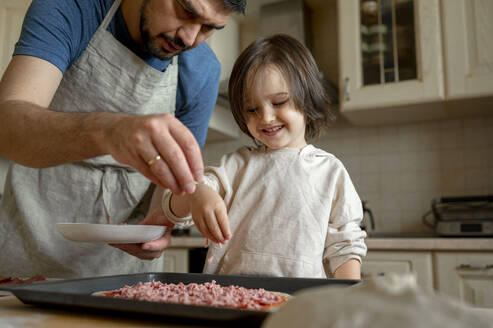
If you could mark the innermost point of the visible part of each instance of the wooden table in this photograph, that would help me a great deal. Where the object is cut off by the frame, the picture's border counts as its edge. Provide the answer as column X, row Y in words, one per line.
column 14, row 313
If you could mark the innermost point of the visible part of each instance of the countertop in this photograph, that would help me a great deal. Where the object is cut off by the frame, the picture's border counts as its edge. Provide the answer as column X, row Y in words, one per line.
column 417, row 242
column 14, row 313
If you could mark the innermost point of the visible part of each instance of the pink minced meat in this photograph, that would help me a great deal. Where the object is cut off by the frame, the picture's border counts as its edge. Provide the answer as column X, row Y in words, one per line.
column 209, row 293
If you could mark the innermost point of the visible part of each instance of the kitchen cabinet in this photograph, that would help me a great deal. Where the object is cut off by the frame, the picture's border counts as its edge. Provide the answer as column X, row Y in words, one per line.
column 388, row 59
column 468, row 47
column 379, row 263
column 176, row 260
column 11, row 16
column 466, row 275
column 404, row 61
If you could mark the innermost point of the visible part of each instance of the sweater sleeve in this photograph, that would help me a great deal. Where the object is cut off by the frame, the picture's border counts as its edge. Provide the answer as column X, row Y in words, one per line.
column 345, row 239
column 223, row 176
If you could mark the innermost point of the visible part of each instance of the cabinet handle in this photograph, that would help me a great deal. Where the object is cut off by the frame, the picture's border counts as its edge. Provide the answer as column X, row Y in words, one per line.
column 347, row 89
column 475, row 266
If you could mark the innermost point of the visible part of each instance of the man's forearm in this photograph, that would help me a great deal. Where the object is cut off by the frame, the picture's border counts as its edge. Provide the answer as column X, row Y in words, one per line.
column 38, row 137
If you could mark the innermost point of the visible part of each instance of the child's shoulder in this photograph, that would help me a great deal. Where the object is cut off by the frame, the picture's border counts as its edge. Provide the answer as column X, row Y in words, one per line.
column 241, row 154
column 310, row 151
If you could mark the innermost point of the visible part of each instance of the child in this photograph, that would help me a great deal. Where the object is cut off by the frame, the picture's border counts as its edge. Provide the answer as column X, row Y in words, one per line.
column 284, row 208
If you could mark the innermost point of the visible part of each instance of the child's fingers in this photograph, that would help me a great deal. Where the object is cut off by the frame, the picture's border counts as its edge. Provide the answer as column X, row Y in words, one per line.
column 206, row 231
column 212, row 225
column 200, row 224
column 223, row 221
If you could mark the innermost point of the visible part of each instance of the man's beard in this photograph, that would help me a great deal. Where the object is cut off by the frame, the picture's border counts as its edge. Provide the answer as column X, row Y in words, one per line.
column 152, row 43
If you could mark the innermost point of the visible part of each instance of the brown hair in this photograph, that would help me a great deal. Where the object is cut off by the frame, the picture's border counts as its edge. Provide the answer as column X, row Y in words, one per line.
column 300, row 71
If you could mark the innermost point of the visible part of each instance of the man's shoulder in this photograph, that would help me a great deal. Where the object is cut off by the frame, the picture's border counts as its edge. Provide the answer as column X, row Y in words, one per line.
column 96, row 7
column 59, row 30
column 200, row 59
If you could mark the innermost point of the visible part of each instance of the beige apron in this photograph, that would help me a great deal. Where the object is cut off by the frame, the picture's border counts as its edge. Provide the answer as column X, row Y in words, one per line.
column 107, row 77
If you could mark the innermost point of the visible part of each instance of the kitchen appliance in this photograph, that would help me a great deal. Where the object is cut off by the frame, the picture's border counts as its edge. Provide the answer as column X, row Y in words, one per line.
column 367, row 214
column 468, row 216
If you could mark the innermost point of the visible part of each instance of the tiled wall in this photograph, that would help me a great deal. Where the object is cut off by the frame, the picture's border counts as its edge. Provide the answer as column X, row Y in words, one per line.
column 399, row 169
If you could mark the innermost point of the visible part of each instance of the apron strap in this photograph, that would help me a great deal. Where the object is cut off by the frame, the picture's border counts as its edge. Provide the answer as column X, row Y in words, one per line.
column 110, row 14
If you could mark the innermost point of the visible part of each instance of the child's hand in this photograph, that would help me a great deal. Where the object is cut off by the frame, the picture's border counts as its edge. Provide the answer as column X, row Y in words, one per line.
column 209, row 214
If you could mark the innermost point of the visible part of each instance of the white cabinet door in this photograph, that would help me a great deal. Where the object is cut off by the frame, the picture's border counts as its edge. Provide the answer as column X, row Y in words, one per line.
column 11, row 17
column 357, row 95
column 378, row 263
column 226, row 45
column 467, row 276
column 468, row 47
column 176, row 260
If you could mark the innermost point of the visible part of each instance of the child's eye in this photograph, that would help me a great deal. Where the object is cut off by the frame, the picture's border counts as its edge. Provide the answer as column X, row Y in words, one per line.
column 278, row 104
column 251, row 110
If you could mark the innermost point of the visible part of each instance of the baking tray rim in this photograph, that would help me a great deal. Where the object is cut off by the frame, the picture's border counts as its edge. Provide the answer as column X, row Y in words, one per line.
column 39, row 293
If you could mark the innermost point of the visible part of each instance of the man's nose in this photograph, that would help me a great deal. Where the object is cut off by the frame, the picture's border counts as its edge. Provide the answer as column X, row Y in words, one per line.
column 189, row 32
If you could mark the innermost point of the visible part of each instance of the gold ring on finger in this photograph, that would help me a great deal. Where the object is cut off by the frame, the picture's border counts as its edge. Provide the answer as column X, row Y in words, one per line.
column 154, row 160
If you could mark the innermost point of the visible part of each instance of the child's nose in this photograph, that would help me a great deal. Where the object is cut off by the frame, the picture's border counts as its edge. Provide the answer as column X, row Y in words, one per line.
column 268, row 114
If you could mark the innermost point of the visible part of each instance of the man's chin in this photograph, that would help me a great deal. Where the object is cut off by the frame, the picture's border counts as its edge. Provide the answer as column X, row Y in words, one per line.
column 162, row 54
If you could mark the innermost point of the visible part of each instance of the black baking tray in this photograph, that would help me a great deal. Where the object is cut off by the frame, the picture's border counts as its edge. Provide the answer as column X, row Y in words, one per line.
column 76, row 295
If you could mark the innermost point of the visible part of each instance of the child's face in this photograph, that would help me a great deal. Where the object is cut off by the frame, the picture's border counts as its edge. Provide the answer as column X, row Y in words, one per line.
column 270, row 113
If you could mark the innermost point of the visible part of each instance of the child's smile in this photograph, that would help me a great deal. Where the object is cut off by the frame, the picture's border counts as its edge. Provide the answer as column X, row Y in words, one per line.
column 272, row 131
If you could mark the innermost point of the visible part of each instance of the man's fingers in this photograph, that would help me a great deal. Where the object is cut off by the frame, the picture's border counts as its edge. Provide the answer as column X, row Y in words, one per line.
column 162, row 171
column 191, row 150
column 157, row 167
column 137, row 251
column 144, row 168
column 174, row 157
column 159, row 244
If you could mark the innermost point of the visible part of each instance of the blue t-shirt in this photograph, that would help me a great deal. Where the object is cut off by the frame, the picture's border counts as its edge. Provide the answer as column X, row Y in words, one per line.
column 58, row 31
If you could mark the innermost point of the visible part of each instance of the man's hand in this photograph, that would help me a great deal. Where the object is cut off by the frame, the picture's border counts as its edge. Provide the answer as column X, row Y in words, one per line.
column 152, row 249
column 138, row 140
column 35, row 136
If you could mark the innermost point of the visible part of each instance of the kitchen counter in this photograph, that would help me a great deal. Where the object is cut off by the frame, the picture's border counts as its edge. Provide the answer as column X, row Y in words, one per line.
column 14, row 313
column 387, row 242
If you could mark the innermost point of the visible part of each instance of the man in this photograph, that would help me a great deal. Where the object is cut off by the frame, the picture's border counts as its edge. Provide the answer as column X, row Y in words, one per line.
column 101, row 98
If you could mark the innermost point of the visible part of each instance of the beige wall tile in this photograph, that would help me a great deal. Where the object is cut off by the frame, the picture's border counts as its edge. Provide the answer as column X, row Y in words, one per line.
column 476, row 157
column 452, row 158
column 476, row 180
column 474, row 132
column 369, row 163
column 390, row 162
column 451, row 134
